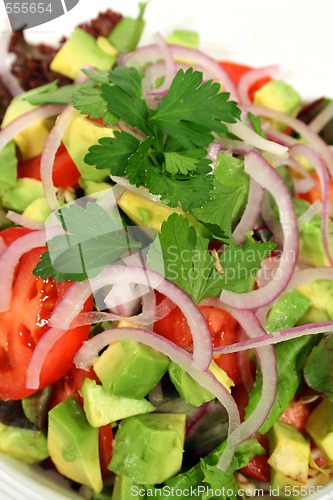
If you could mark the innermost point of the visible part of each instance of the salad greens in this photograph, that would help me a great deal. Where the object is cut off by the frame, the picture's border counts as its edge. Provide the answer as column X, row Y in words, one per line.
column 112, row 292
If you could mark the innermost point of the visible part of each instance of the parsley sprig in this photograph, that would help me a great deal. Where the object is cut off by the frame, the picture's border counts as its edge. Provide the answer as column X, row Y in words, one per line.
column 165, row 149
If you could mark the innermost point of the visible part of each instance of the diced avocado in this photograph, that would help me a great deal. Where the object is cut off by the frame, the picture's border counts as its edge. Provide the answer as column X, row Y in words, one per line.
column 73, row 444
column 8, row 171
column 29, row 446
column 230, row 172
column 37, row 210
column 92, row 188
column 79, row 136
column 189, row 388
column 123, row 488
column 102, row 408
column 149, row 448
column 320, row 427
column 127, row 32
column 278, row 95
column 320, row 293
column 31, row 140
column 144, row 212
column 81, row 49
column 282, row 486
column 130, row 369
column 35, row 407
column 104, row 44
column 187, row 38
column 289, row 451
column 312, row 251
column 23, row 194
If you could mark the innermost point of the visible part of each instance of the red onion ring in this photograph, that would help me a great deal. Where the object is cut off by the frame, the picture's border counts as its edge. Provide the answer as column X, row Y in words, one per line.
column 170, row 65
column 320, row 167
column 72, row 303
column 9, row 80
column 10, row 258
column 301, row 128
column 277, row 337
column 3, row 245
column 251, row 212
column 314, row 209
column 23, row 221
column 322, row 118
column 268, row 178
column 241, row 130
column 267, row 362
column 23, row 121
column 251, row 77
column 152, row 53
column 48, row 155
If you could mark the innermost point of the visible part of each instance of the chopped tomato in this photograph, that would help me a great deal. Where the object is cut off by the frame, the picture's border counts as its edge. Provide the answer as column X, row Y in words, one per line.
column 222, row 326
column 22, row 326
column 65, row 172
column 258, row 468
column 105, row 448
column 296, row 415
column 236, row 71
column 315, row 193
column 70, row 385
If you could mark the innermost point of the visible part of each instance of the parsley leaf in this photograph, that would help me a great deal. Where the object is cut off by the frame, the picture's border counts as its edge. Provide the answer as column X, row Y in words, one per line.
column 51, row 94
column 88, row 99
column 190, row 111
column 91, row 241
column 217, row 210
column 179, row 163
column 113, row 153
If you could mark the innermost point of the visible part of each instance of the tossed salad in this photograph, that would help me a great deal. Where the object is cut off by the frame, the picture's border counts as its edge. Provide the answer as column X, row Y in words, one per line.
column 166, row 269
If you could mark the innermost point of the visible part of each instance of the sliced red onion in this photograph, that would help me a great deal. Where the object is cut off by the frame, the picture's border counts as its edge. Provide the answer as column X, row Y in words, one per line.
column 109, row 198
column 151, row 53
column 170, row 65
column 267, row 362
column 48, row 155
column 301, row 128
column 322, row 118
column 39, row 355
column 269, row 267
column 3, row 245
column 251, row 212
column 304, row 276
column 248, row 135
column 314, row 209
column 275, row 135
column 266, row 176
column 304, row 183
column 124, row 299
column 23, row 121
column 213, row 151
column 271, row 221
column 277, row 337
column 88, row 353
column 9, row 259
column 140, row 191
column 23, row 221
column 302, row 150
column 72, row 303
column 251, row 77
column 237, row 147
column 9, row 80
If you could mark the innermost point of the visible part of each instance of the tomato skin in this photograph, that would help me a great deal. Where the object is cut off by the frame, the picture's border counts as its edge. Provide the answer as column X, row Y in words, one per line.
column 258, row 468
column 21, row 327
column 105, row 448
column 236, row 71
column 65, row 172
column 222, row 327
column 297, row 415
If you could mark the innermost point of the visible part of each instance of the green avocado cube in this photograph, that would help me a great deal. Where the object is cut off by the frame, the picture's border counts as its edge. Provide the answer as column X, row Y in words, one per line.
column 289, row 452
column 130, row 369
column 81, row 49
column 320, row 427
column 28, row 446
column 73, row 444
column 102, row 408
column 149, row 448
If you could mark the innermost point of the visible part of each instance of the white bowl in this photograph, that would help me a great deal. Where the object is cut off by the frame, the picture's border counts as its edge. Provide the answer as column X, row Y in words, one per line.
column 295, row 34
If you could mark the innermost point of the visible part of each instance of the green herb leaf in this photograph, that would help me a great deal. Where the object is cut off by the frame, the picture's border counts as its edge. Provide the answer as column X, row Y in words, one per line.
column 190, row 111
column 318, row 369
column 88, row 99
column 92, row 241
column 51, row 94
column 113, row 153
